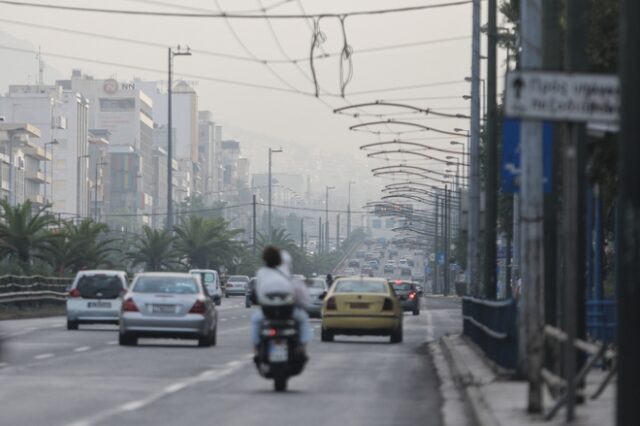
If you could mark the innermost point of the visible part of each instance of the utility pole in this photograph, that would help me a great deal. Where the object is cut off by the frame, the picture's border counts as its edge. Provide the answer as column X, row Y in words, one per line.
column 326, row 218
column 253, row 238
column 78, row 186
column 491, row 169
column 552, row 61
column 447, row 243
column 319, row 245
column 628, row 211
column 95, row 190
column 349, row 210
column 574, row 188
column 302, row 235
column 269, row 224
column 337, row 231
column 172, row 53
column 436, row 269
column 531, row 217
column 473, row 261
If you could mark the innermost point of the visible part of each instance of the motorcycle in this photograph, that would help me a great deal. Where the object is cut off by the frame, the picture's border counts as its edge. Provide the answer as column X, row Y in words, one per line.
column 279, row 354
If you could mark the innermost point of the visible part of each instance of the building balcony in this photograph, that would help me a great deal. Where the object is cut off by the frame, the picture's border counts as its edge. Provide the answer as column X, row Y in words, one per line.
column 36, row 176
column 37, row 199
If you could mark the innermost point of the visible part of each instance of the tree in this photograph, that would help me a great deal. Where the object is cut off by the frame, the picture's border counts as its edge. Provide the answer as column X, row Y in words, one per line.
column 206, row 243
column 154, row 250
column 24, row 231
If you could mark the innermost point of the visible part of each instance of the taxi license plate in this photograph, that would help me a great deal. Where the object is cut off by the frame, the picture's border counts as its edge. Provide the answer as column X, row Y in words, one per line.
column 105, row 305
column 163, row 309
column 278, row 351
column 359, row 305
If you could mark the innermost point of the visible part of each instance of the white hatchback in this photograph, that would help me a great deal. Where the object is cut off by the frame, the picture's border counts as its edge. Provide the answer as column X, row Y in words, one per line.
column 95, row 297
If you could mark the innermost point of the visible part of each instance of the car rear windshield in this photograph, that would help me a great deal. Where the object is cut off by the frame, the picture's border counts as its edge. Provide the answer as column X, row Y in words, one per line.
column 166, row 285
column 403, row 287
column 100, row 286
column 360, row 286
column 316, row 284
column 239, row 278
column 208, row 278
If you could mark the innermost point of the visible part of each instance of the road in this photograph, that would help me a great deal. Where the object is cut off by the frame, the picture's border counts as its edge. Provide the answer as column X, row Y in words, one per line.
column 52, row 376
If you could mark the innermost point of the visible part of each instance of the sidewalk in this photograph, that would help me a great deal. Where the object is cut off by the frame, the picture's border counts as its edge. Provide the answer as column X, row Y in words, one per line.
column 495, row 400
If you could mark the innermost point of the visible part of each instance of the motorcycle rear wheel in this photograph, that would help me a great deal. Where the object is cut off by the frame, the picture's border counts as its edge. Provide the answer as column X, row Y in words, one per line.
column 280, row 384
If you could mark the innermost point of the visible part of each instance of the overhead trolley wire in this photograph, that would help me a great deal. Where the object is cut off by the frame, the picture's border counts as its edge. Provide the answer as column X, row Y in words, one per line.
column 232, row 15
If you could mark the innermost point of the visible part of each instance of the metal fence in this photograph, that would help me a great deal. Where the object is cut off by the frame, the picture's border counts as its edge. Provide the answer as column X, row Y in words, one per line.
column 25, row 290
column 601, row 320
column 492, row 325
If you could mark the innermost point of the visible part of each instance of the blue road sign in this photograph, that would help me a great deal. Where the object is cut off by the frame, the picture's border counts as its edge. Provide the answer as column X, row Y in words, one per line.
column 440, row 258
column 510, row 166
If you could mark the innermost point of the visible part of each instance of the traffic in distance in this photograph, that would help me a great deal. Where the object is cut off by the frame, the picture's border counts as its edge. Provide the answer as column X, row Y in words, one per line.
column 151, row 325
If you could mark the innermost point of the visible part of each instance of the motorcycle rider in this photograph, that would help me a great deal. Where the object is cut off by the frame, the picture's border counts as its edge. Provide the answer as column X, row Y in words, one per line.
column 275, row 276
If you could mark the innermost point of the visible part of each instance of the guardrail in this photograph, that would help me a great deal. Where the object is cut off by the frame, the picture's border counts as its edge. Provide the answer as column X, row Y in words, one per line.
column 21, row 290
column 492, row 325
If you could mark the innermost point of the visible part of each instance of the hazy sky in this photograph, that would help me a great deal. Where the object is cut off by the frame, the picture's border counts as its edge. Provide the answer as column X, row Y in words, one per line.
column 302, row 124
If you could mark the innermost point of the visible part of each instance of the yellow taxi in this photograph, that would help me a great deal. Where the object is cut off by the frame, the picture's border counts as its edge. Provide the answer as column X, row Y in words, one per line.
column 360, row 306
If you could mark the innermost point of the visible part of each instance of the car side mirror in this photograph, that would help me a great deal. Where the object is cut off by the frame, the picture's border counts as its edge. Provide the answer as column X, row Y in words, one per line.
column 323, row 295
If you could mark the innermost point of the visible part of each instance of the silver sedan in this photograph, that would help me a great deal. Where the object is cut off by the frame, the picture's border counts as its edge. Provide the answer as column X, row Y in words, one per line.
column 170, row 305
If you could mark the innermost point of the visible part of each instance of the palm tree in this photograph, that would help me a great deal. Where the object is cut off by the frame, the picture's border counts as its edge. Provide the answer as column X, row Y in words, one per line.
column 154, row 249
column 206, row 243
column 79, row 247
column 24, row 231
column 282, row 239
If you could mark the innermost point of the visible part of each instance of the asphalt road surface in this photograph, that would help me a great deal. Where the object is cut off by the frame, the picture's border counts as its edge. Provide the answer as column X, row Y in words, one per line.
column 51, row 376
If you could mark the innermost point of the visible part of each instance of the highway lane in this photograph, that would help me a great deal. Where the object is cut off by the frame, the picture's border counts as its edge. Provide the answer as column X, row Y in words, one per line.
column 90, row 380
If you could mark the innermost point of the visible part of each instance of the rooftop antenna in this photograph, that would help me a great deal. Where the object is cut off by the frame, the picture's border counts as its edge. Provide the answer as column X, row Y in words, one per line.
column 40, row 68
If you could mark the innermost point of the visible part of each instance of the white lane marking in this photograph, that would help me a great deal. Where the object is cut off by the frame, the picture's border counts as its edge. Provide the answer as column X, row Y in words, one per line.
column 211, row 374
column 429, row 326
column 82, row 349
column 3, row 364
column 244, row 316
column 223, row 319
column 177, row 386
column 234, row 317
column 44, row 356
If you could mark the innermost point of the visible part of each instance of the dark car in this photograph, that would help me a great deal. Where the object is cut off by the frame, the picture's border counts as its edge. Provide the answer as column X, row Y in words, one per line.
column 389, row 268
column 405, row 272
column 407, row 293
column 411, row 262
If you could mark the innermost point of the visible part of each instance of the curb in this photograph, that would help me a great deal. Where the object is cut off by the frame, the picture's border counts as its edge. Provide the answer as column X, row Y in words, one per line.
column 440, row 296
column 464, row 380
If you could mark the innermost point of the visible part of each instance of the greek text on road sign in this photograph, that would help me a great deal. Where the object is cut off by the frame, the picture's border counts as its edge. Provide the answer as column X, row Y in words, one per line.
column 562, row 96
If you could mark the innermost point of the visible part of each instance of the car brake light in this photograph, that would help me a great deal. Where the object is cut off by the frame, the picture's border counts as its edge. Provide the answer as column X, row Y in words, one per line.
column 272, row 332
column 74, row 293
column 398, row 281
column 388, row 305
column 129, row 306
column 198, row 308
column 412, row 295
column 331, row 304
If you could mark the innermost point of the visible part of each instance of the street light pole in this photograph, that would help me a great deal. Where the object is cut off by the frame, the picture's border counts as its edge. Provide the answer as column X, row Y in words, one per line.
column 172, row 53
column 78, row 213
column 326, row 218
column 349, row 210
column 271, row 151
column 95, row 190
column 46, row 145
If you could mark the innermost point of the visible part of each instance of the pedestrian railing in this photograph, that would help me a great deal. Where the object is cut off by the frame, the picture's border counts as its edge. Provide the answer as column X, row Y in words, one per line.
column 595, row 351
column 23, row 290
column 601, row 320
column 492, row 325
